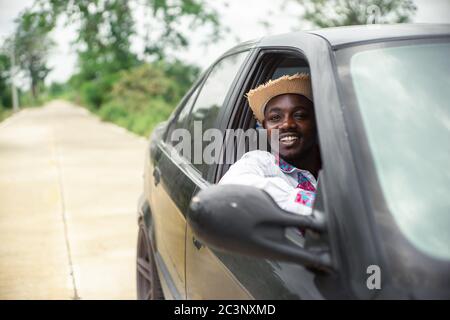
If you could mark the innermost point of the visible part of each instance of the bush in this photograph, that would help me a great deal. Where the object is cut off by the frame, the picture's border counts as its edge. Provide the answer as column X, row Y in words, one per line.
column 142, row 84
column 57, row 89
column 26, row 99
column 141, row 122
column 6, row 98
column 95, row 92
column 157, row 111
column 4, row 113
column 136, row 99
column 112, row 111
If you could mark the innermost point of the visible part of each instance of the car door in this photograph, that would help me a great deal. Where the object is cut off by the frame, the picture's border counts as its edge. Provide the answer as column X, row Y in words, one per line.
column 170, row 189
column 176, row 173
column 203, row 270
column 211, row 273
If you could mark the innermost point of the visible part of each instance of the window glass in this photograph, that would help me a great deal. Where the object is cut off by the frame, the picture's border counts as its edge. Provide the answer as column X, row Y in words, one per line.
column 210, row 99
column 180, row 120
column 404, row 102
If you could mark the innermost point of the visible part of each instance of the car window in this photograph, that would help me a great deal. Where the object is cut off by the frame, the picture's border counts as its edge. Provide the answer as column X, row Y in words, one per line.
column 211, row 98
column 284, row 65
column 184, row 113
column 180, row 119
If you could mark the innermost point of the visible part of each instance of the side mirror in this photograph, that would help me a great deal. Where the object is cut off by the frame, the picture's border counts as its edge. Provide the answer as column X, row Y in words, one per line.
column 246, row 220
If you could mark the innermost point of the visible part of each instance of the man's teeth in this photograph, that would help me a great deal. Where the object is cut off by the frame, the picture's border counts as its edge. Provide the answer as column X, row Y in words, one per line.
column 289, row 138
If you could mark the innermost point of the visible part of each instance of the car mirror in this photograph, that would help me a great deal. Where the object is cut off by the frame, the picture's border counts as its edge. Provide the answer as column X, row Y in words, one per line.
column 246, row 220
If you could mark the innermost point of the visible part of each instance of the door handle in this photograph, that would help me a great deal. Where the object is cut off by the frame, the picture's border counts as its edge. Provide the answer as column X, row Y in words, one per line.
column 156, row 175
column 197, row 243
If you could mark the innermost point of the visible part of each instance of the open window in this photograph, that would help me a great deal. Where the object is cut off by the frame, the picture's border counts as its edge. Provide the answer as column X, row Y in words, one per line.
column 270, row 64
column 202, row 106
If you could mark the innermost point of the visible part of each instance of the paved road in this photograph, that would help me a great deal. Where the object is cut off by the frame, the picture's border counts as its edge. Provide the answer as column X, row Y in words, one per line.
column 69, row 185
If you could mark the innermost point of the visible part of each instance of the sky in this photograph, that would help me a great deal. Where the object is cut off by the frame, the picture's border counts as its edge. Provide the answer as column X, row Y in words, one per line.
column 242, row 17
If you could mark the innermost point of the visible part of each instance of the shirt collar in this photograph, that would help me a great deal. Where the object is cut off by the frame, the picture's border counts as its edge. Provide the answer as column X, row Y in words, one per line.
column 284, row 166
column 289, row 168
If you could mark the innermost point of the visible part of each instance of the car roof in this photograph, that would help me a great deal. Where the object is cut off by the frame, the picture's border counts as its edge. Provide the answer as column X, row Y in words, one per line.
column 339, row 37
column 350, row 35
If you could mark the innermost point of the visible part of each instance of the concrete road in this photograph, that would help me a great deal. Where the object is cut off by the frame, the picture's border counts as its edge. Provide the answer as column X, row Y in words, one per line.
column 69, row 186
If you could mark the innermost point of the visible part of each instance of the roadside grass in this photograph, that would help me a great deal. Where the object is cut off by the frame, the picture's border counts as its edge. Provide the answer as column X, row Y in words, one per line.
column 4, row 113
column 26, row 101
column 141, row 121
column 137, row 115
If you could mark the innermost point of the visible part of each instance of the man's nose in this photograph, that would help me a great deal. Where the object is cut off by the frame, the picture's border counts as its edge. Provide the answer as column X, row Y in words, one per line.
column 288, row 123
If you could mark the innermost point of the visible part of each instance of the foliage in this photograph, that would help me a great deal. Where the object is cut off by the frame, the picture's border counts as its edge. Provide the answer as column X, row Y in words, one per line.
column 141, row 122
column 146, row 95
column 4, row 113
column 31, row 46
column 26, row 98
column 168, row 81
column 334, row 13
column 169, row 16
column 94, row 93
column 57, row 89
column 5, row 90
column 135, row 91
column 106, row 26
column 103, row 37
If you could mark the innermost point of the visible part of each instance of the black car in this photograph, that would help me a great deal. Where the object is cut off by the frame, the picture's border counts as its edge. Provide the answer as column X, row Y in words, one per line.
column 380, row 227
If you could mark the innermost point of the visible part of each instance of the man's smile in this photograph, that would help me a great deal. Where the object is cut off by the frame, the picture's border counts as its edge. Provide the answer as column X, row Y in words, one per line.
column 289, row 139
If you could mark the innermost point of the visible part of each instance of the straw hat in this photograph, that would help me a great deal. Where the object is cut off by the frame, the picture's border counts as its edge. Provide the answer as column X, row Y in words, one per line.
column 260, row 96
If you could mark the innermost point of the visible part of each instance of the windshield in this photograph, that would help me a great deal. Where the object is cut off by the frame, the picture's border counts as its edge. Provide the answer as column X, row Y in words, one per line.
column 403, row 94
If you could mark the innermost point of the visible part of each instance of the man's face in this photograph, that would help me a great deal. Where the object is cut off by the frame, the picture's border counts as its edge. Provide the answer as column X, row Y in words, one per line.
column 293, row 116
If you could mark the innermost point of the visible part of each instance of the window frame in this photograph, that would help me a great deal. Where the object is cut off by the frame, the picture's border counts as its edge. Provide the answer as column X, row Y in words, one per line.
column 223, row 109
column 263, row 64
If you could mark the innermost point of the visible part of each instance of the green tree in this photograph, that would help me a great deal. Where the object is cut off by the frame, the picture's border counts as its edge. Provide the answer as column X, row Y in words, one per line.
column 158, row 80
column 31, row 46
column 175, row 21
column 5, row 90
column 105, row 30
column 332, row 13
column 106, row 27
column 146, row 95
column 104, row 37
column 103, row 42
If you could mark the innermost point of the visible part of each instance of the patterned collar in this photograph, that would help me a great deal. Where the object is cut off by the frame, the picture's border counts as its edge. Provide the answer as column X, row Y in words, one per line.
column 303, row 176
column 284, row 166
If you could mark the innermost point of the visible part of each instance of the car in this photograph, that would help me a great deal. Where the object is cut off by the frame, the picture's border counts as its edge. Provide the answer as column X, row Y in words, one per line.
column 380, row 227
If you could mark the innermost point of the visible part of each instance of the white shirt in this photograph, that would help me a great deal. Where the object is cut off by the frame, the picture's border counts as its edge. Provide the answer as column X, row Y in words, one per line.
column 292, row 189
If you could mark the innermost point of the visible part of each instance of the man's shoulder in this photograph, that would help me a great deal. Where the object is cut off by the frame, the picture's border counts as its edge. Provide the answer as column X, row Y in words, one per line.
column 259, row 156
column 261, row 163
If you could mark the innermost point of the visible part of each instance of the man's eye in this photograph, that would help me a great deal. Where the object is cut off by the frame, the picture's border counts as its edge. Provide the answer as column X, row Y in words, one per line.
column 274, row 117
column 300, row 116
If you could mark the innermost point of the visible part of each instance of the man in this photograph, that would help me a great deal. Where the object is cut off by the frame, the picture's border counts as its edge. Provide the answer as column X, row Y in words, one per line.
column 290, row 177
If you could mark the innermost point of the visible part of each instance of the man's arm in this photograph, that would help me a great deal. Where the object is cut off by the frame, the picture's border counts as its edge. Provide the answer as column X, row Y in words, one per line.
column 255, row 169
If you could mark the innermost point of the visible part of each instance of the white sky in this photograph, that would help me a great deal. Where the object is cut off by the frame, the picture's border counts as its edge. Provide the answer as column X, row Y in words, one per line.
column 243, row 17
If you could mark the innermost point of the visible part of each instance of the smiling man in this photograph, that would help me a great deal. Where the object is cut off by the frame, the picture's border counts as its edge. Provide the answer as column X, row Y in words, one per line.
column 289, row 176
